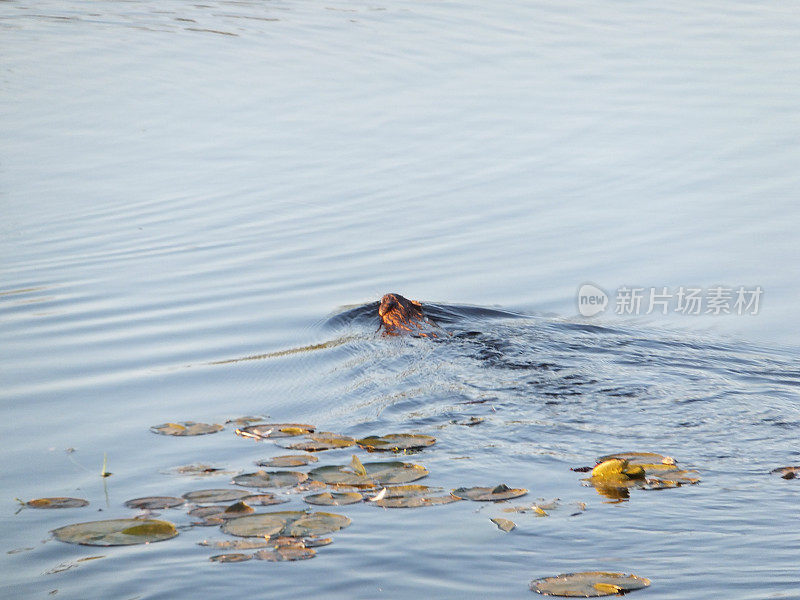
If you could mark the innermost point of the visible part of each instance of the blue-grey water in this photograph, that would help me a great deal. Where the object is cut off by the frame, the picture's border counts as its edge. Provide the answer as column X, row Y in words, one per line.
column 186, row 185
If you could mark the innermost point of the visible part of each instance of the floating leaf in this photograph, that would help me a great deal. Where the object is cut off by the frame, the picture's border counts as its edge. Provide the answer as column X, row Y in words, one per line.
column 283, row 553
column 245, row 421
column 289, row 460
column 233, row 557
column 154, row 502
column 270, row 479
column 57, row 502
column 215, row 515
column 396, row 442
column 215, row 496
column 318, row 523
column 787, row 472
column 378, row 473
column 248, row 544
column 616, row 470
column 589, row 584
column 287, row 523
column 186, row 428
column 504, row 524
column 334, row 499
column 486, row 494
column 651, row 462
column 116, row 532
column 412, row 496
column 322, row 440
column 264, row 431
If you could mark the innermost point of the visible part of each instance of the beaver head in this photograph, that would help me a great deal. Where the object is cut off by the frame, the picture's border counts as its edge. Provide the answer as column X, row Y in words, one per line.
column 399, row 314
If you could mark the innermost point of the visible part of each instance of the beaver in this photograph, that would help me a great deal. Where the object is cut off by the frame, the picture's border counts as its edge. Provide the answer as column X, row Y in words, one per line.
column 400, row 315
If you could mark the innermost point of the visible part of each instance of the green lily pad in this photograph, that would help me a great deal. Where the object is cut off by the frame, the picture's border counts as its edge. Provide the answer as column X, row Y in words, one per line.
column 116, row 532
column 396, row 442
column 186, row 428
column 334, row 498
column 155, row 502
column 287, row 523
column 264, row 431
column 270, row 479
column 233, row 557
column 322, row 440
column 378, row 473
column 504, row 524
column 216, row 514
column 284, row 553
column 487, row 494
column 57, row 502
column 288, row 460
column 215, row 496
column 592, row 584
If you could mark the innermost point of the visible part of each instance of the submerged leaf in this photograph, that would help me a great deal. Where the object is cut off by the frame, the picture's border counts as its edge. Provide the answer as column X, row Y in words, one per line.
column 284, row 553
column 186, row 428
column 486, row 494
column 233, row 557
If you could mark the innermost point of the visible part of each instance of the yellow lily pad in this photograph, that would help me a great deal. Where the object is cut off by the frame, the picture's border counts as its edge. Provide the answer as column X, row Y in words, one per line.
column 504, row 524
column 322, row 440
column 396, row 442
column 57, row 502
column 651, row 462
column 264, row 431
column 270, row 479
column 186, row 428
column 288, row 460
column 616, row 470
column 377, row 473
column 215, row 496
column 487, row 494
column 116, row 532
column 590, row 584
column 154, row 502
column 334, row 498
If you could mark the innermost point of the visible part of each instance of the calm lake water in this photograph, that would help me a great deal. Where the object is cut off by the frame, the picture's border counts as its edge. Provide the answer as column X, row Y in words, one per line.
column 184, row 186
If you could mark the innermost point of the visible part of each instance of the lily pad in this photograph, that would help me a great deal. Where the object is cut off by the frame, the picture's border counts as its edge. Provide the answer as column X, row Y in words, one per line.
column 154, row 502
column 233, row 557
column 651, row 462
column 247, row 544
column 270, row 479
column 616, row 470
column 264, row 431
column 186, row 428
column 116, row 532
column 592, row 584
column 215, row 496
column 396, row 442
column 377, row 473
column 411, row 496
column 322, row 440
column 288, row 460
column 57, row 502
column 334, row 498
column 504, row 524
column 245, row 421
column 287, row 523
column 284, row 553
column 614, row 476
column 487, row 494
column 199, row 470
